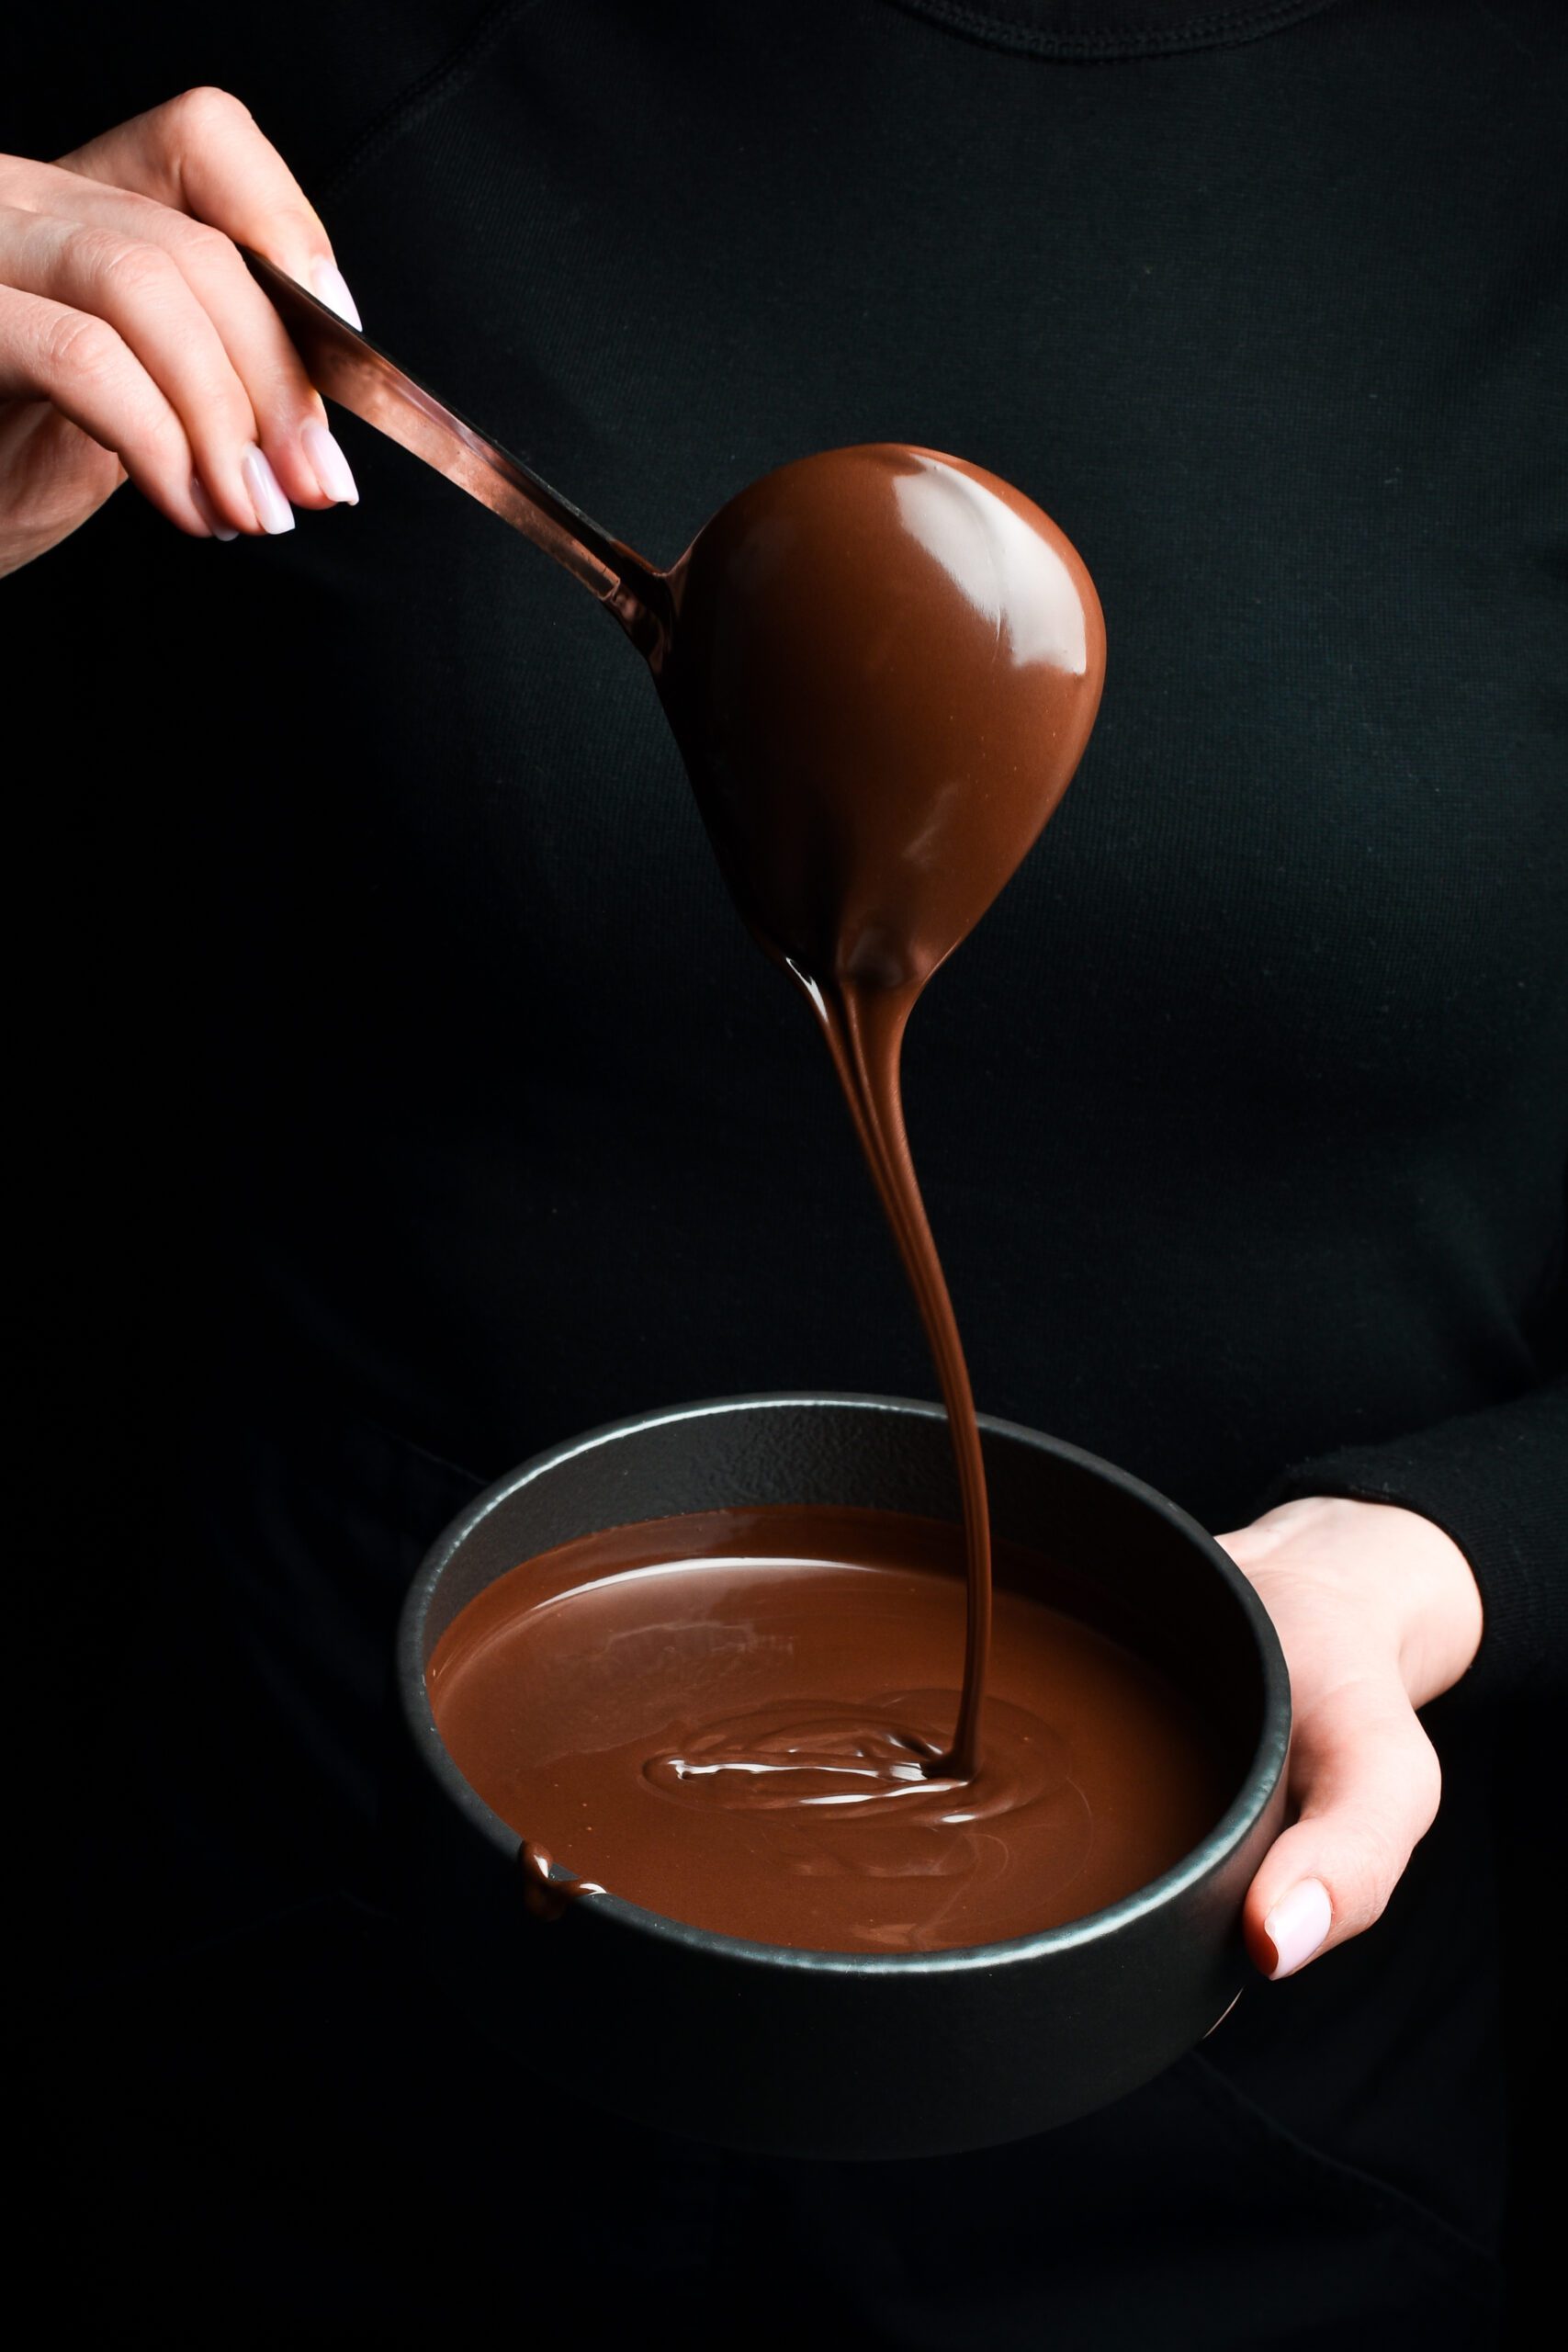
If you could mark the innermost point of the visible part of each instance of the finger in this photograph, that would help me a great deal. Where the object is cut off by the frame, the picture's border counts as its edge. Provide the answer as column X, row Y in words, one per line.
column 141, row 293
column 1366, row 1782
column 291, row 416
column 291, row 421
column 51, row 479
column 86, row 370
column 202, row 153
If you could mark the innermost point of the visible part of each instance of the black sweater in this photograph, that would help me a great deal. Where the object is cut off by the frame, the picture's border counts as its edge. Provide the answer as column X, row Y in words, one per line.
column 1243, row 1119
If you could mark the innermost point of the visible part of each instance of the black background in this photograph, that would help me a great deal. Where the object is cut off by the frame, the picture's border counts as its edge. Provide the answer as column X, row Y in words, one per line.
column 290, row 925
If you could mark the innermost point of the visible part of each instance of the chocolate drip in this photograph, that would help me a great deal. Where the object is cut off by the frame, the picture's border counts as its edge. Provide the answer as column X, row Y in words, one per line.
column 864, row 1029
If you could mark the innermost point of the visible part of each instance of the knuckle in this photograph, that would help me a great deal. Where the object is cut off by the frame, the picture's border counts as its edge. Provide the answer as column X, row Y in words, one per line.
column 1366, row 1872
column 1424, row 1781
column 1374, row 1850
column 228, row 408
column 207, row 249
column 81, row 350
column 297, row 223
column 139, row 273
column 205, row 116
column 1374, row 1896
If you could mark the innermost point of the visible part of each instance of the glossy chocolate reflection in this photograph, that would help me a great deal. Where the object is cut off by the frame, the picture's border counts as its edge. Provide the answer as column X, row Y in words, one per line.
column 731, row 1718
column 882, row 669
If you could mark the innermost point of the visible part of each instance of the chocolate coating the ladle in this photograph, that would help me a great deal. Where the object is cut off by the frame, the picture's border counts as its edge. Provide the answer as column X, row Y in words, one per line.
column 884, row 669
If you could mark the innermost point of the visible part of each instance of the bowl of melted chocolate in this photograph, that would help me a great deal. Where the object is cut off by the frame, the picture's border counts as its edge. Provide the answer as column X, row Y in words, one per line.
column 686, row 1834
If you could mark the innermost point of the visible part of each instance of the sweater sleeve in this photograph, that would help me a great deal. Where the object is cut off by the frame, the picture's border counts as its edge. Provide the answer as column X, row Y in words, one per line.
column 1496, row 1482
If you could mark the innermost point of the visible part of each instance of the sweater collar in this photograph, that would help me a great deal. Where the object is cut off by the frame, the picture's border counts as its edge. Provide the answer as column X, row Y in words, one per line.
column 1089, row 30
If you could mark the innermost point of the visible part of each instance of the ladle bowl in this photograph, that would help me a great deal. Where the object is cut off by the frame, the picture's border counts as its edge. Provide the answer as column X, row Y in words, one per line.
column 882, row 670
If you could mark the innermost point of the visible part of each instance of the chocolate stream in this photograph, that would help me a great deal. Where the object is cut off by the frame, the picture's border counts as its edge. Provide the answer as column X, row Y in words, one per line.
column 864, row 1029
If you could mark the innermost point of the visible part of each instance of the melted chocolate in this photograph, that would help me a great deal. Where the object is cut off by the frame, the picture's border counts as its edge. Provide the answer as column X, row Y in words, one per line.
column 884, row 669
column 734, row 1718
column 882, row 666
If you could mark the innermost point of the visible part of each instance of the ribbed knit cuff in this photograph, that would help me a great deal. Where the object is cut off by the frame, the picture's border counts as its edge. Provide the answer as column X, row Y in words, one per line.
column 1496, row 1482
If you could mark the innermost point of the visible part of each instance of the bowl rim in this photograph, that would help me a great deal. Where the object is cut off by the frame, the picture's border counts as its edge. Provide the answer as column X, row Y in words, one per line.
column 1258, row 1784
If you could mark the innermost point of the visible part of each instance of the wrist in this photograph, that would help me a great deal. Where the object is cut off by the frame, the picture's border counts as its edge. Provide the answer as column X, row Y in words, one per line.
column 1409, row 1582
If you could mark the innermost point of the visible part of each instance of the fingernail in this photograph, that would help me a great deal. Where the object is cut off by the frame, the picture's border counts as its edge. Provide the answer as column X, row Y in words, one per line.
column 272, row 511
column 332, row 288
column 208, row 513
column 1297, row 1926
column 330, row 466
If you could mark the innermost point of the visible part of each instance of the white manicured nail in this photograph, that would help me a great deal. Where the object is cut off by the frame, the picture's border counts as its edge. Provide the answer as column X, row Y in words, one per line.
column 332, row 288
column 330, row 466
column 272, row 511
column 1297, row 1926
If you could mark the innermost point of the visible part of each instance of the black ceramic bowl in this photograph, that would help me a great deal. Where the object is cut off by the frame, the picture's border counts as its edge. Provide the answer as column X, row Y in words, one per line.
column 843, row 2053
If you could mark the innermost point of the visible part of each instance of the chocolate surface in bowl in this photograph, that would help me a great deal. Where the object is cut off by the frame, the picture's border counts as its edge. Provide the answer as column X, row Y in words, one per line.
column 845, row 2053
column 736, row 1718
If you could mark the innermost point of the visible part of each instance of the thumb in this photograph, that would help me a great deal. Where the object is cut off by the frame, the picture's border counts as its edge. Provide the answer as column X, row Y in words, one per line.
column 1365, row 1781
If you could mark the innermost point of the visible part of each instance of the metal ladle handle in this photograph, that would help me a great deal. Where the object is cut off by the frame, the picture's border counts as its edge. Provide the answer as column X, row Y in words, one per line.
column 346, row 367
